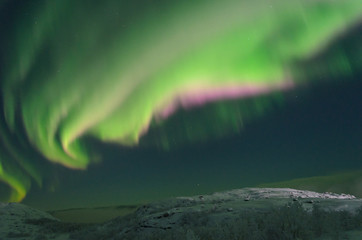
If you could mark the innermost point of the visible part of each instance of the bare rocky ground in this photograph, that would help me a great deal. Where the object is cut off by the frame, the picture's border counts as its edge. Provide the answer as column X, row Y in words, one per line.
column 248, row 213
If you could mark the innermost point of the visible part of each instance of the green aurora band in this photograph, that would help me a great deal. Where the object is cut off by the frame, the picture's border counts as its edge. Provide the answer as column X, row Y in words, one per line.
column 110, row 69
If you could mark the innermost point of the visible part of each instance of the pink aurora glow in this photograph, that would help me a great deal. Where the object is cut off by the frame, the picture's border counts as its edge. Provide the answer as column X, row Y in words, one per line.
column 199, row 96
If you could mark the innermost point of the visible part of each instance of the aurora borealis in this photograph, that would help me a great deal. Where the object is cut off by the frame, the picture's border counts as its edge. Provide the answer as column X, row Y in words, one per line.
column 119, row 71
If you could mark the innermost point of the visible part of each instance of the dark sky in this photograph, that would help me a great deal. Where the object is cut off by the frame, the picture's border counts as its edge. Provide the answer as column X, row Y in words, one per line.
column 315, row 132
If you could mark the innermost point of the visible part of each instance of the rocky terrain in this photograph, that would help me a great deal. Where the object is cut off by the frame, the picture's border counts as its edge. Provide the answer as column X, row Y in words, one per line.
column 249, row 213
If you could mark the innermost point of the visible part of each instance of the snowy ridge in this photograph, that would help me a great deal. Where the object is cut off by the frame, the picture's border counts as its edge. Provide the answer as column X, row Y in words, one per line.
column 170, row 215
column 265, row 193
column 14, row 220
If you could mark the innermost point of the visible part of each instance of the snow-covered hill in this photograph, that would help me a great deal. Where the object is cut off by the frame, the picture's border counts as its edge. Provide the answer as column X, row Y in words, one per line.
column 197, row 216
column 16, row 219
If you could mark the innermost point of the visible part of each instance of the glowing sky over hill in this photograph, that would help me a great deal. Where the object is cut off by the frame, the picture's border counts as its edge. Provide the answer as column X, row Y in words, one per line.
column 111, row 70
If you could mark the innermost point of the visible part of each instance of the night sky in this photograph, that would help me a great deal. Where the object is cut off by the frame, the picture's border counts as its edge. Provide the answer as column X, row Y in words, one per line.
column 123, row 102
